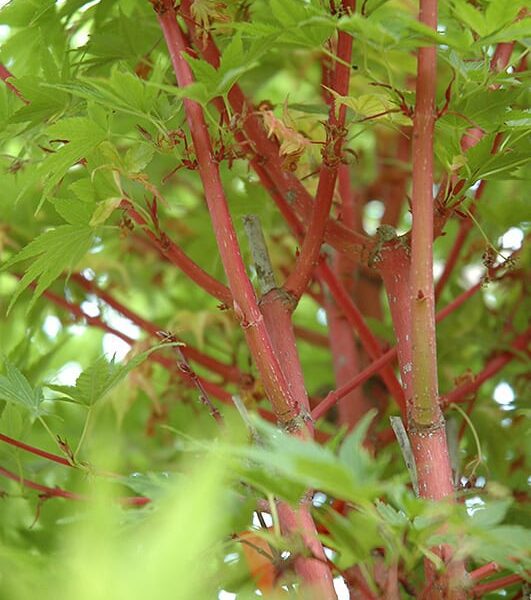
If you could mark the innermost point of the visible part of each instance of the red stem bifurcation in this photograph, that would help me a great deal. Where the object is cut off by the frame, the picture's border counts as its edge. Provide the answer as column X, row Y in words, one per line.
column 245, row 303
column 335, row 135
column 176, row 256
column 282, row 184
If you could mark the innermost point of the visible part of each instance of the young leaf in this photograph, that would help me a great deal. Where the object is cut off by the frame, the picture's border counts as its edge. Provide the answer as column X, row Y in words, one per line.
column 101, row 377
column 15, row 388
column 82, row 135
column 54, row 251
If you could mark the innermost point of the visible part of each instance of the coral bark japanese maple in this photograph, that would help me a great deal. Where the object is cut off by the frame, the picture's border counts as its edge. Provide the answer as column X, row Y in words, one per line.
column 286, row 225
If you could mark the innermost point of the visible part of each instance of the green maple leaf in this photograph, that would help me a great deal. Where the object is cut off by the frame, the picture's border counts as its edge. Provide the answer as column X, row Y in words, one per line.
column 54, row 251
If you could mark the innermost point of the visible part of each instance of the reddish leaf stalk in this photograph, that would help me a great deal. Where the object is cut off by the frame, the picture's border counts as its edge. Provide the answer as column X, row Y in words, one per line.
column 5, row 76
column 43, row 489
column 245, row 303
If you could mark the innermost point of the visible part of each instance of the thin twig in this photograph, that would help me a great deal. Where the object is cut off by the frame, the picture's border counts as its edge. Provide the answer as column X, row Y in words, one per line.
column 185, row 367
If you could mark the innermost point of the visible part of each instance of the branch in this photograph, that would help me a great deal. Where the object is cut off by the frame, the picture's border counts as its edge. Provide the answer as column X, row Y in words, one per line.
column 176, row 256
column 460, row 393
column 355, row 318
column 37, row 451
column 285, row 184
column 58, row 492
column 484, row 571
column 245, row 303
column 308, row 258
column 76, row 310
column 312, row 337
column 356, row 381
column 386, row 358
column 497, row 584
column 184, row 366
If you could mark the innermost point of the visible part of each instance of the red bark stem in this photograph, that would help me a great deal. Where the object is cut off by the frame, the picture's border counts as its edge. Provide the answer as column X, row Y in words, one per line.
column 426, row 425
column 57, row 492
column 497, row 584
column 484, row 571
column 245, row 303
column 309, row 254
column 37, row 451
column 357, row 321
column 178, row 257
column 425, row 409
